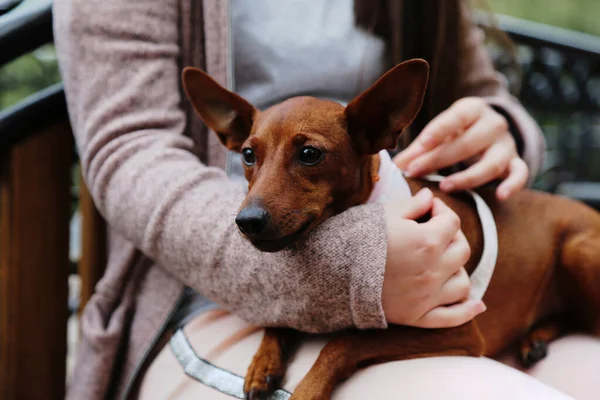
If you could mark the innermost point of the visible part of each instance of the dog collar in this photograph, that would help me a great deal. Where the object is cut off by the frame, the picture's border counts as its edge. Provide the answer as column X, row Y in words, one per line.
column 392, row 186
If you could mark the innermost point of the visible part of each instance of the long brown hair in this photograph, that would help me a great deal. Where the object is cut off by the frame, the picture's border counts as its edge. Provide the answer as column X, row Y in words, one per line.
column 434, row 30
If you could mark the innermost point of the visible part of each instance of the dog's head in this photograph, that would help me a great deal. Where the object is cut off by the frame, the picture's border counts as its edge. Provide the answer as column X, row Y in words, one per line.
column 307, row 159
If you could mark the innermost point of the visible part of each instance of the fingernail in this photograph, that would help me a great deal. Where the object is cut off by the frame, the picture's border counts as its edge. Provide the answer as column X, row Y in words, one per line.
column 425, row 140
column 503, row 193
column 401, row 164
column 447, row 185
column 413, row 168
column 481, row 307
column 423, row 193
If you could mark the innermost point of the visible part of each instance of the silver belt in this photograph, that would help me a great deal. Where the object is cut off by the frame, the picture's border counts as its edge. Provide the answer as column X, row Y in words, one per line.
column 209, row 374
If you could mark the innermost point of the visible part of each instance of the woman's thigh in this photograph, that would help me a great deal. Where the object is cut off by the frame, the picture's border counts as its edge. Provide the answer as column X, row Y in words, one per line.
column 230, row 343
column 572, row 366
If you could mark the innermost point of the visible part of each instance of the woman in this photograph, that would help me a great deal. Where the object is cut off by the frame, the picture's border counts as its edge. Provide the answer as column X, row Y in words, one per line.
column 168, row 190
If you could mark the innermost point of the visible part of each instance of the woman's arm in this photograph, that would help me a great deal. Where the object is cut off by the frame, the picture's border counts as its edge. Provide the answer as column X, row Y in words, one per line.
column 119, row 63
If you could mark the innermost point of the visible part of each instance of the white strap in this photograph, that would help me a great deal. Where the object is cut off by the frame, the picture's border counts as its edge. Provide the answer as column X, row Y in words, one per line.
column 209, row 374
column 391, row 184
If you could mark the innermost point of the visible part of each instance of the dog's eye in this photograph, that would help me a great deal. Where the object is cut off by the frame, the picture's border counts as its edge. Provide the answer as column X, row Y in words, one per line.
column 310, row 155
column 248, row 157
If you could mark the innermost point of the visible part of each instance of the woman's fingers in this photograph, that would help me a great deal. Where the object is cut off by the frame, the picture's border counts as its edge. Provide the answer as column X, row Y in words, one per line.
column 498, row 162
column 516, row 180
column 446, row 125
column 453, row 260
column 441, row 228
column 414, row 150
column 451, row 316
column 456, row 289
column 477, row 139
column 460, row 116
column 494, row 164
column 418, row 205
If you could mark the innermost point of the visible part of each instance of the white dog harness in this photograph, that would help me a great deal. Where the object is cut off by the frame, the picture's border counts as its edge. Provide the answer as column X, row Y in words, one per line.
column 392, row 186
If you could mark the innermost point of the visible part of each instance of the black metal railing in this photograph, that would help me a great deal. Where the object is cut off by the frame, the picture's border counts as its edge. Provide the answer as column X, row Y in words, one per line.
column 25, row 28
column 559, row 85
column 7, row 5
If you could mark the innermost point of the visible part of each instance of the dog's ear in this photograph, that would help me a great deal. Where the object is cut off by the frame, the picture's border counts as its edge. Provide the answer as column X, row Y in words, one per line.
column 377, row 116
column 229, row 115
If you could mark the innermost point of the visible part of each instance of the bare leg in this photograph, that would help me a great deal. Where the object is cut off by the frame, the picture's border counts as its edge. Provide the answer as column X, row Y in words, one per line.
column 349, row 352
column 449, row 378
column 572, row 366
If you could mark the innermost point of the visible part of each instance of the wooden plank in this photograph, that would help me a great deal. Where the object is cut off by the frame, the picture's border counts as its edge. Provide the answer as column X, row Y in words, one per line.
column 34, row 265
column 93, row 245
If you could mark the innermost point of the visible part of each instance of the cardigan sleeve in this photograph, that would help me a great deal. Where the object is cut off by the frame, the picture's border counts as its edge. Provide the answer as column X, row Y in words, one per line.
column 119, row 62
column 477, row 77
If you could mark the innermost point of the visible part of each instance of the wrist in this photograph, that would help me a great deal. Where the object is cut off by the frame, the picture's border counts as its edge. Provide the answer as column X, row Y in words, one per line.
column 369, row 242
column 512, row 128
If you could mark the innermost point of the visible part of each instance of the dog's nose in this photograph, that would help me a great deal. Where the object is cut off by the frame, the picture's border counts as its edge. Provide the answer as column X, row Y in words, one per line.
column 252, row 220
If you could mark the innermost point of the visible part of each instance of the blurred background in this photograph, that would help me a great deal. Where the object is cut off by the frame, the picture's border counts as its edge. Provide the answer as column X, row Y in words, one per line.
column 554, row 85
column 578, row 15
column 37, row 70
column 556, row 76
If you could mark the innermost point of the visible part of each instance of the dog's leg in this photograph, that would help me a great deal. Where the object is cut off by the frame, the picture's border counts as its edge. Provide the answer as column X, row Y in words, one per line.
column 353, row 350
column 534, row 346
column 580, row 260
column 269, row 363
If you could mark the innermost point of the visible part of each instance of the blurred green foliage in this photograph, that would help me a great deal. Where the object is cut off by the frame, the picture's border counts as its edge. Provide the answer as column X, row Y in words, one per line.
column 27, row 75
column 578, row 15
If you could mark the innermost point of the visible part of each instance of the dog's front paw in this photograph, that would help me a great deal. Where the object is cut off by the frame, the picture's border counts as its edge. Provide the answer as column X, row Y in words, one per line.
column 266, row 371
column 258, row 386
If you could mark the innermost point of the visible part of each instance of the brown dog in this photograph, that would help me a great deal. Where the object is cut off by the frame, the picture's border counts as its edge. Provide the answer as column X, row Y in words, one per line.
column 308, row 159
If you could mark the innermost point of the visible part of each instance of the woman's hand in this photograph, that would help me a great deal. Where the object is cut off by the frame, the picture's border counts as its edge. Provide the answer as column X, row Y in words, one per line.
column 473, row 132
column 425, row 283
